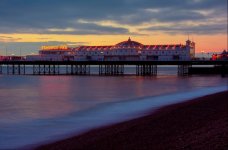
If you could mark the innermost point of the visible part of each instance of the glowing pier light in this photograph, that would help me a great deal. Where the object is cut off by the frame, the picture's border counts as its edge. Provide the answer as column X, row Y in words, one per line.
column 60, row 47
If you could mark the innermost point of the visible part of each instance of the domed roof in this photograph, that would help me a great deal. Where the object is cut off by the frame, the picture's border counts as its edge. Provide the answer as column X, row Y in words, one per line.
column 129, row 44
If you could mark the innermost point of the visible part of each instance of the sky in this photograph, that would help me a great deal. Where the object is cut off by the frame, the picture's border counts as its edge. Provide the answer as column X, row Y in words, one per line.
column 26, row 25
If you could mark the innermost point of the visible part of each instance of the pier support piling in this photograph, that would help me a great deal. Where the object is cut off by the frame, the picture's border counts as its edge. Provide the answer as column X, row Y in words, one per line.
column 146, row 70
column 78, row 70
column 111, row 69
column 1, row 69
column 15, row 69
column 183, row 70
column 224, row 70
column 45, row 69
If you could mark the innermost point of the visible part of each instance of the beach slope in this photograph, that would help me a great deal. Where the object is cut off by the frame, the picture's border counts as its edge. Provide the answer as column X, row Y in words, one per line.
column 201, row 123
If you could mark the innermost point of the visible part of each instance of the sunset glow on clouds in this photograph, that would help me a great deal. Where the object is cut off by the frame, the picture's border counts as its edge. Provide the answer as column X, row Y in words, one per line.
column 29, row 24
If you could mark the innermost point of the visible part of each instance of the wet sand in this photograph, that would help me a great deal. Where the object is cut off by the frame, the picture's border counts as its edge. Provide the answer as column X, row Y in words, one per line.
column 201, row 123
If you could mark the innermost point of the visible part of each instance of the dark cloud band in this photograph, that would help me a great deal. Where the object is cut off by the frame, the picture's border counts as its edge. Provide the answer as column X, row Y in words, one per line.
column 27, row 16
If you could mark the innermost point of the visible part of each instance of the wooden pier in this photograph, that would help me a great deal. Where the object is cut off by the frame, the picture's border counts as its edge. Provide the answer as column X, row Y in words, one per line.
column 143, row 68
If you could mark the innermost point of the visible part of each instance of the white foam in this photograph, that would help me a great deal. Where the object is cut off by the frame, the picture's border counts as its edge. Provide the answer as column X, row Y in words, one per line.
column 58, row 128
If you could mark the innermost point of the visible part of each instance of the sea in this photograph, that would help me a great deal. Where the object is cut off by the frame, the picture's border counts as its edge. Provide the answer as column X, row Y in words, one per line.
column 35, row 110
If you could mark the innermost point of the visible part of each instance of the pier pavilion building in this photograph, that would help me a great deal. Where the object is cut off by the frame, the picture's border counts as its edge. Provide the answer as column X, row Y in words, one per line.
column 124, row 51
column 53, row 53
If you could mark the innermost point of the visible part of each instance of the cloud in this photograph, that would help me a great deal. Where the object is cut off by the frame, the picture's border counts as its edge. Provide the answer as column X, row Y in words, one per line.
column 202, row 29
column 25, row 48
column 8, row 38
column 79, row 29
column 27, row 16
column 88, row 28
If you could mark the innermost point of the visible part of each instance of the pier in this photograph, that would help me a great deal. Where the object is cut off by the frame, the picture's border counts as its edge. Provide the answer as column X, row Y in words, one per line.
column 111, row 68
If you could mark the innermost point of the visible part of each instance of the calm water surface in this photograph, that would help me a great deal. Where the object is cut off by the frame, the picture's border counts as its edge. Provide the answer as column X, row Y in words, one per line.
column 36, row 108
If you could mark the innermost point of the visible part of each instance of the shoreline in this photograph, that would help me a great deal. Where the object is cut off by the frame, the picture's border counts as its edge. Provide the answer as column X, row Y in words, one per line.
column 199, row 123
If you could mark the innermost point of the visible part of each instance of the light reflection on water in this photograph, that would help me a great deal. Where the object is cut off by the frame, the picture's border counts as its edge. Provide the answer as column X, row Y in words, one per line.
column 31, row 98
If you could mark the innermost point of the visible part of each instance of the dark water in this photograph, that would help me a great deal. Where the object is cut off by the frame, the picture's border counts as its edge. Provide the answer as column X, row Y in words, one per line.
column 34, row 109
